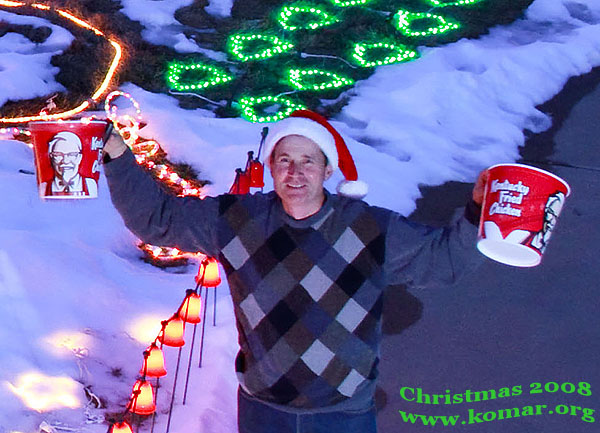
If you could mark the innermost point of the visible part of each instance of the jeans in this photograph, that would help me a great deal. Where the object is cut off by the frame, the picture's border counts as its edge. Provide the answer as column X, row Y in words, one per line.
column 256, row 417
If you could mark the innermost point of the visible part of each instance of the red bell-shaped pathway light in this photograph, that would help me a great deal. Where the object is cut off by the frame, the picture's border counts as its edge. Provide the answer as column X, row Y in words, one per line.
column 120, row 427
column 208, row 274
column 142, row 398
column 172, row 332
column 154, row 362
column 190, row 308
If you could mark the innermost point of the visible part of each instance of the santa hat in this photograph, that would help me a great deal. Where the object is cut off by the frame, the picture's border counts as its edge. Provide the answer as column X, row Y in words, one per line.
column 316, row 128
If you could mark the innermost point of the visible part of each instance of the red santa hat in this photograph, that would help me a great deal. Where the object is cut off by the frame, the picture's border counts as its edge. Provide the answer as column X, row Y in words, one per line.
column 316, row 128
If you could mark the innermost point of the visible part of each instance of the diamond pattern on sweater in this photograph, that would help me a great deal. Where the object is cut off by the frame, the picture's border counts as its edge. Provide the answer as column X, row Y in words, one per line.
column 309, row 303
column 280, row 280
column 317, row 357
column 348, row 245
column 350, row 280
column 349, row 385
column 316, row 283
column 280, row 244
column 281, row 317
column 235, row 253
column 351, row 315
column 254, row 314
column 316, row 320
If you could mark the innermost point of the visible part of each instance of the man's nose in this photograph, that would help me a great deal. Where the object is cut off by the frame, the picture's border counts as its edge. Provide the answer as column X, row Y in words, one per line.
column 292, row 168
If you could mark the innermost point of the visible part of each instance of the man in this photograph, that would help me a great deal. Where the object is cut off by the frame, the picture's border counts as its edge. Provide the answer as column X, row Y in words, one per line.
column 64, row 151
column 306, row 270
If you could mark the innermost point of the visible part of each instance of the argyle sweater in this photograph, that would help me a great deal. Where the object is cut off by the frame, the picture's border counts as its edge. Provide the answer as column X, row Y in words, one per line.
column 307, row 294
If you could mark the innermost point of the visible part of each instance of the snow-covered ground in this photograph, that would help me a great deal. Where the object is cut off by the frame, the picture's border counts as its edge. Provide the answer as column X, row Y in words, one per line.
column 77, row 304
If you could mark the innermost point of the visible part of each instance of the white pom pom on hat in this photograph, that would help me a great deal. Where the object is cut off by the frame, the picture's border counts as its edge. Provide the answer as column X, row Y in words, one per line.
column 316, row 128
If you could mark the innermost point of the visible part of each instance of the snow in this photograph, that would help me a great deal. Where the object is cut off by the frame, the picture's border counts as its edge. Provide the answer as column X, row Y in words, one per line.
column 446, row 116
column 30, row 62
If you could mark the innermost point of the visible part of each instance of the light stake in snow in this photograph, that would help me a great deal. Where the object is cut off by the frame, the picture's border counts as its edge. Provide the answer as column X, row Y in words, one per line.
column 190, row 312
column 154, row 362
column 142, row 398
column 172, row 332
column 208, row 276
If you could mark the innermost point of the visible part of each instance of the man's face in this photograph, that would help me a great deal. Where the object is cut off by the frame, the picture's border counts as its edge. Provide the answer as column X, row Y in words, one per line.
column 550, row 219
column 298, row 169
column 65, row 158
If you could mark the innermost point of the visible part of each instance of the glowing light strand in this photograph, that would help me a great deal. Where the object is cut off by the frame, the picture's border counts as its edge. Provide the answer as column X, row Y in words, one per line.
column 403, row 21
column 398, row 53
column 316, row 80
column 128, row 126
column 176, row 70
column 238, row 46
column 101, row 88
column 442, row 4
column 289, row 12
column 249, row 104
column 344, row 4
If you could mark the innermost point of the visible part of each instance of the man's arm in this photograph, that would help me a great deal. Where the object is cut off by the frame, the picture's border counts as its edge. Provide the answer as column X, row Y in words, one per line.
column 422, row 256
column 151, row 213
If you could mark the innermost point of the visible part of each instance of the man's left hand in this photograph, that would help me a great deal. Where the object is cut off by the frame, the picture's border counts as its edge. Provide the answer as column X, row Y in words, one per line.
column 479, row 188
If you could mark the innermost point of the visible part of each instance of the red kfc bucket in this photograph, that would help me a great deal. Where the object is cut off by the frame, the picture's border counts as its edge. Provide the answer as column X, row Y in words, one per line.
column 67, row 157
column 520, row 209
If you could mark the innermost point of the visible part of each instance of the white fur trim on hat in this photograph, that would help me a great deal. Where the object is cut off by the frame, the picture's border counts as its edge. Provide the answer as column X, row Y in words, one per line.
column 306, row 128
column 353, row 188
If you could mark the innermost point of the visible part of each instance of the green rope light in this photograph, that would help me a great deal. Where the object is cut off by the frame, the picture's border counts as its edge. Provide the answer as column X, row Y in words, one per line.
column 238, row 44
column 398, row 53
column 249, row 104
column 404, row 20
column 344, row 4
column 316, row 80
column 322, row 18
column 215, row 76
column 441, row 4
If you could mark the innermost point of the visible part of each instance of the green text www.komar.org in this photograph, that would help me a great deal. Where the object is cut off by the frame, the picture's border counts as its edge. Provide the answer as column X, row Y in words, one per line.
column 475, row 417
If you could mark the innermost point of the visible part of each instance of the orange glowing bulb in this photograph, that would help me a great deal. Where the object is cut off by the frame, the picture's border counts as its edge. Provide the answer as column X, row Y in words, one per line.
column 142, row 398
column 120, row 427
column 190, row 309
column 154, row 363
column 208, row 274
column 173, row 333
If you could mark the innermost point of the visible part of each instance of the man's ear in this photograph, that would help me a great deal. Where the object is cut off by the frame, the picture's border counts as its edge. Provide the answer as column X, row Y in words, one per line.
column 328, row 171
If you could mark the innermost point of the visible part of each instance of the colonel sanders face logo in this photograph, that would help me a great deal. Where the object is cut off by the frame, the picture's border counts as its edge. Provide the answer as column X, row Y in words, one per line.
column 65, row 155
column 551, row 211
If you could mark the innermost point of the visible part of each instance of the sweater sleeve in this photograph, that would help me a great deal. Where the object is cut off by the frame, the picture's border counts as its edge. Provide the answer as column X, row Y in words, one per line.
column 157, row 217
column 422, row 256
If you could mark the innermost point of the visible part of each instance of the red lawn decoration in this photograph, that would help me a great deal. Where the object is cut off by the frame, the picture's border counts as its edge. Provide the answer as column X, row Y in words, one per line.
column 154, row 362
column 142, row 398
